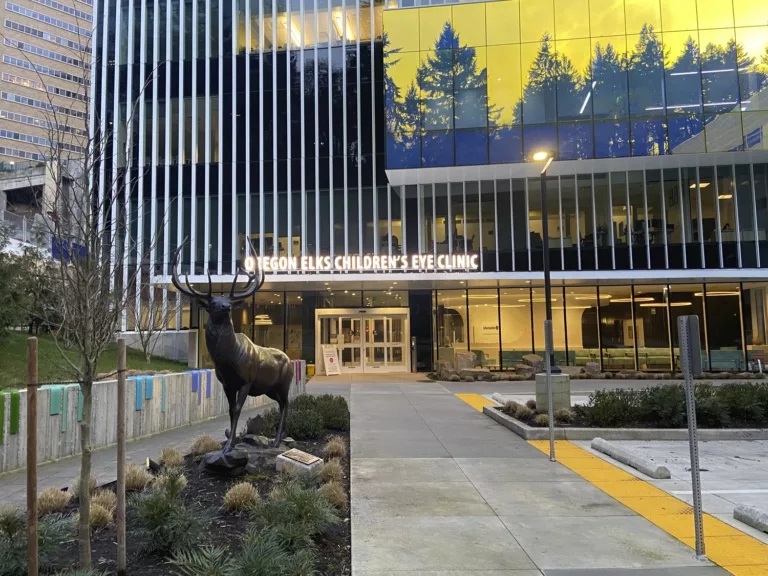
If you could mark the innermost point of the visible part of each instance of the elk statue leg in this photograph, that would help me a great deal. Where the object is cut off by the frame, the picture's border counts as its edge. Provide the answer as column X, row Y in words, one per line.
column 234, row 413
column 283, row 403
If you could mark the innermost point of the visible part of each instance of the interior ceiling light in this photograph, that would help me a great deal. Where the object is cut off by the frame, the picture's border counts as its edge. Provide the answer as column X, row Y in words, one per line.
column 702, row 185
column 725, row 196
column 716, row 293
column 602, row 297
column 675, row 304
column 653, row 305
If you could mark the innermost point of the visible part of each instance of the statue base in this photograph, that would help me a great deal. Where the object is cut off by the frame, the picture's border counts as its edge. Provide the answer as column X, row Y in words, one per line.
column 260, row 457
column 228, row 464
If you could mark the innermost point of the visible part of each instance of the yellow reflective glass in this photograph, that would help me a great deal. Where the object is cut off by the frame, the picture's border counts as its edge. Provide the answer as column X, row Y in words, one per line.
column 469, row 24
column 578, row 53
column 571, row 19
column 504, row 81
column 378, row 25
column 537, row 18
column 641, row 13
column 402, row 29
column 678, row 15
column 714, row 13
column 618, row 45
column 675, row 49
column 432, row 21
column 750, row 12
column 606, row 17
column 502, row 22
column 755, row 43
column 401, row 69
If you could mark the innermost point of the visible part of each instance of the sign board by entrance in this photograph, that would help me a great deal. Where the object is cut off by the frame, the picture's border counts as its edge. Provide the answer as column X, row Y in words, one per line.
column 331, row 360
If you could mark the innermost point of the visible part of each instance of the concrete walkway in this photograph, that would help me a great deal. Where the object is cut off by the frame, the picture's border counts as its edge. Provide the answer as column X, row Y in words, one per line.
column 13, row 486
column 438, row 489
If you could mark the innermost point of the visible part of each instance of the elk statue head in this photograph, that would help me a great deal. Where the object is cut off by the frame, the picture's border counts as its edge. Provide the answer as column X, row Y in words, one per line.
column 243, row 368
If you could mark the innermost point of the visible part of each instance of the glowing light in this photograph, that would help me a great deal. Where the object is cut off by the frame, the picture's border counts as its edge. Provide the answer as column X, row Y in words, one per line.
column 586, row 100
column 716, row 293
column 540, row 156
column 702, row 185
column 724, row 196
column 250, row 263
column 681, row 304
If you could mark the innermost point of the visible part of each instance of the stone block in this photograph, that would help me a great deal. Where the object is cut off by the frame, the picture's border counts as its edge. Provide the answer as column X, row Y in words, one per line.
column 561, row 392
column 752, row 516
column 534, row 361
column 254, row 440
column 465, row 360
column 228, row 464
column 298, row 460
column 592, row 368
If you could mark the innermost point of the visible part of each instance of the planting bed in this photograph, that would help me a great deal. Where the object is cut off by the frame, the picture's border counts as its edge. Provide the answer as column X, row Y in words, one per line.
column 205, row 493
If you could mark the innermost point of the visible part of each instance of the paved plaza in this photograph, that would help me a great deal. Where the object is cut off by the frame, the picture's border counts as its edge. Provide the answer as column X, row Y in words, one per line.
column 439, row 489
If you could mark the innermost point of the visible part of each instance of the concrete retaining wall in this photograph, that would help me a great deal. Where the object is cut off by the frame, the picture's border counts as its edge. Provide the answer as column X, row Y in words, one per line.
column 153, row 404
column 169, row 344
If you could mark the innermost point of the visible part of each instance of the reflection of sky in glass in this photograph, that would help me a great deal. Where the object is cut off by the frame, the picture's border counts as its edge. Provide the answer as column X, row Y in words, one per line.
column 660, row 77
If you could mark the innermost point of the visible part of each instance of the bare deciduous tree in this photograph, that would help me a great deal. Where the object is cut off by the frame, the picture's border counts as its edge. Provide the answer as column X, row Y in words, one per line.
column 150, row 318
column 99, row 261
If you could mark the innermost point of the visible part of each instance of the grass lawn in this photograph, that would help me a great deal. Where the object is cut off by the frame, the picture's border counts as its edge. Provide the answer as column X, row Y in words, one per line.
column 53, row 368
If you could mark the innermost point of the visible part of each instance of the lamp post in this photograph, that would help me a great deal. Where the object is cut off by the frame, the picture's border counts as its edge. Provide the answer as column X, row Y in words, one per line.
column 542, row 156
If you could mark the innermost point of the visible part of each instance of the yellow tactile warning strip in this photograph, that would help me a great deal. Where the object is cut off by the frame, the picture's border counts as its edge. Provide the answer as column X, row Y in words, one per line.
column 476, row 401
column 736, row 552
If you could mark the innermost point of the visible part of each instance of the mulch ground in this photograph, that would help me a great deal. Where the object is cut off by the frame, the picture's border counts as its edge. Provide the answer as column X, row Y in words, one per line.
column 334, row 550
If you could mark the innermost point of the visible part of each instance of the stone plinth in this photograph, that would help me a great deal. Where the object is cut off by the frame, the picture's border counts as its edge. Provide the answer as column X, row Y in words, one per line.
column 296, row 459
column 561, row 392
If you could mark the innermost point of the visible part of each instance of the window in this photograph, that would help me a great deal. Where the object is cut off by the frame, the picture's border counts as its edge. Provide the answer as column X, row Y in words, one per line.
column 32, row 49
column 581, row 322
column 516, row 337
column 48, row 20
column 652, row 327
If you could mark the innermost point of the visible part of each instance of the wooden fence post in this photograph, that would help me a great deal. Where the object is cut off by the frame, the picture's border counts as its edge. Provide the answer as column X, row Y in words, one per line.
column 32, row 564
column 121, row 457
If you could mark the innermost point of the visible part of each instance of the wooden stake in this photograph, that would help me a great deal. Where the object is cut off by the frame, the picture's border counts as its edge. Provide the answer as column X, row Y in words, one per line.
column 121, row 457
column 32, row 567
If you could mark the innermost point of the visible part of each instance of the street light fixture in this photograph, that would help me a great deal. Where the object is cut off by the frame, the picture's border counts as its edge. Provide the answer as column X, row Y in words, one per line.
column 547, row 157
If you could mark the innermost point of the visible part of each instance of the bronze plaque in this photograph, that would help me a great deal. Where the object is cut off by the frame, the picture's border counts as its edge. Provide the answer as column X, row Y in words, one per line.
column 300, row 456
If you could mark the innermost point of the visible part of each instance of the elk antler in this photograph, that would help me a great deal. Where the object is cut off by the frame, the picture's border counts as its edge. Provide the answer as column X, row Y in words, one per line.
column 188, row 291
column 255, row 279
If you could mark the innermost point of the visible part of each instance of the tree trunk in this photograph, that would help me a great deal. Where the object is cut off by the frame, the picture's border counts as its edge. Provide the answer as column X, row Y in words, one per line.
column 84, row 529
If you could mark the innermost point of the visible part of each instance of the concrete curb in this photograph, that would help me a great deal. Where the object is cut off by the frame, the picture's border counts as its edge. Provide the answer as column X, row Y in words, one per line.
column 679, row 434
column 751, row 516
column 630, row 459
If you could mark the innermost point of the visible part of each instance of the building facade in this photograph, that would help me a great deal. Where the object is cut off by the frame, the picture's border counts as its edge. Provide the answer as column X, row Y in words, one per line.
column 45, row 70
column 378, row 159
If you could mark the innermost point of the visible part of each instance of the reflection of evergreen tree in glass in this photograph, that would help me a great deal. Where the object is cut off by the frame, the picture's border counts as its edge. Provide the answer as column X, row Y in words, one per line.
column 723, row 87
column 410, row 117
column 452, row 87
column 610, row 77
column 684, row 92
column 646, row 93
column 392, row 100
column 538, row 102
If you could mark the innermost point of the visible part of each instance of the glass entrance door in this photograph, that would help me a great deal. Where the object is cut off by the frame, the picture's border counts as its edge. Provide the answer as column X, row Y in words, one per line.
column 375, row 342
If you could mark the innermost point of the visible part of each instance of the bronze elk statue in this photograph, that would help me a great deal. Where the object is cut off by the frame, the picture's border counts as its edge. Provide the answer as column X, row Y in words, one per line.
column 243, row 368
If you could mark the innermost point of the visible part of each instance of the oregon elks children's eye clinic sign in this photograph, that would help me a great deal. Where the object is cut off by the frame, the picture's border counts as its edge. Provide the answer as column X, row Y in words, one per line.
column 365, row 263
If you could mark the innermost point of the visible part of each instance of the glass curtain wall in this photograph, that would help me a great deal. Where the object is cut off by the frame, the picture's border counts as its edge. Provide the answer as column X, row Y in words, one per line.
column 451, row 324
column 493, row 82
column 674, row 218
column 516, row 324
column 484, row 327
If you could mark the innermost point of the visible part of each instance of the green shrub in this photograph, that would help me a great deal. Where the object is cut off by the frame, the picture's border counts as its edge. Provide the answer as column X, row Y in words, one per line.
column 610, row 408
column 662, row 406
column 296, row 512
column 304, row 402
column 81, row 572
column 334, row 410
column 523, row 413
column 163, row 519
column 271, row 419
column 531, row 404
column 304, row 424
column 261, row 554
column 541, row 420
column 744, row 402
column 563, row 416
column 52, row 529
